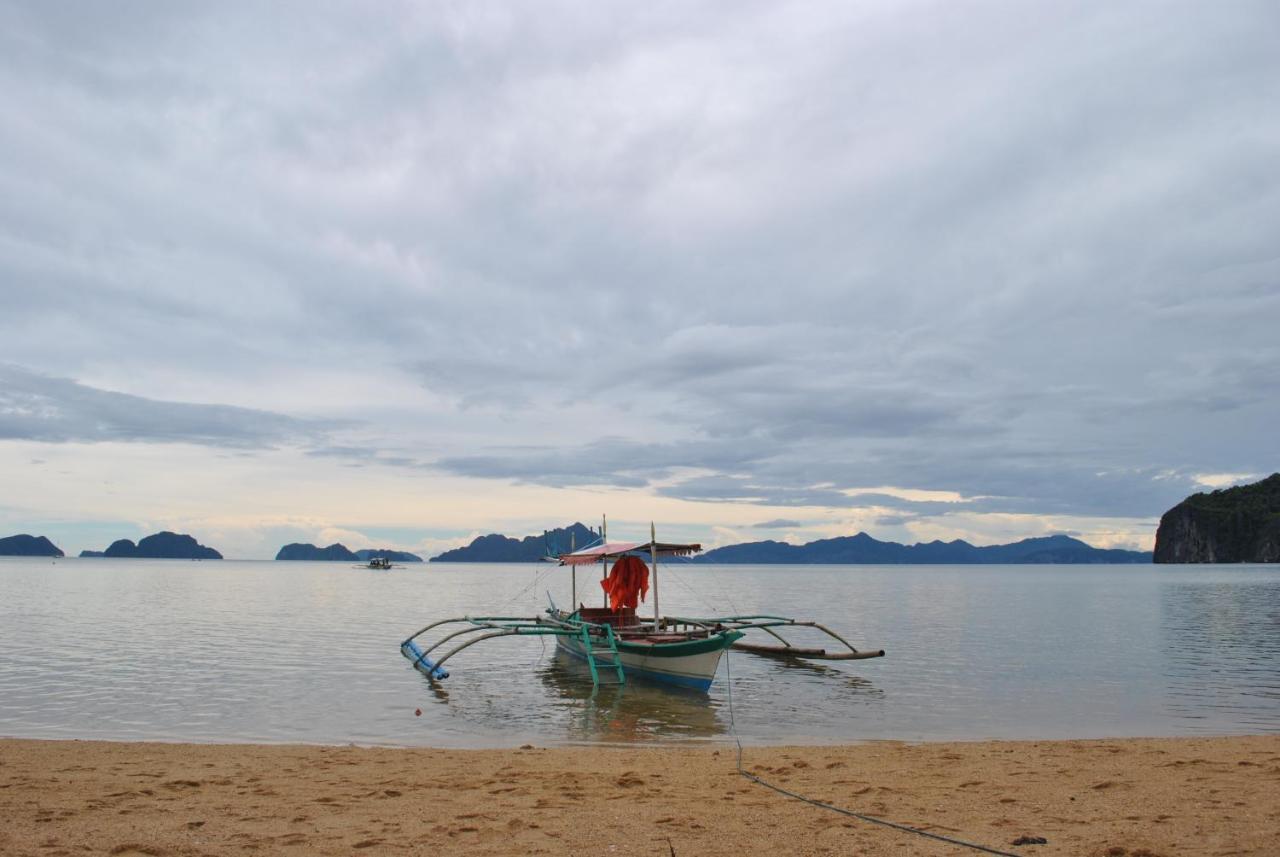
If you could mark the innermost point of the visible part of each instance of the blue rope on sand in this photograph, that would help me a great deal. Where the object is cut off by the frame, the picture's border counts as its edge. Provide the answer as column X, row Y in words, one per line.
column 905, row 828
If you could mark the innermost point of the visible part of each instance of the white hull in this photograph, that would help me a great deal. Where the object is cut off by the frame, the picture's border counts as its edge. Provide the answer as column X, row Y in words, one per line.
column 695, row 671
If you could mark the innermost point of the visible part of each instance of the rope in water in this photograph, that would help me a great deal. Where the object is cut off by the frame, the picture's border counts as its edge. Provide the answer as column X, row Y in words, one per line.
column 905, row 828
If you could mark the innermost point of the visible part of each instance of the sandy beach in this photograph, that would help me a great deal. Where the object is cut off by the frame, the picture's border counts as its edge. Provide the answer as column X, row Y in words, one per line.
column 1119, row 798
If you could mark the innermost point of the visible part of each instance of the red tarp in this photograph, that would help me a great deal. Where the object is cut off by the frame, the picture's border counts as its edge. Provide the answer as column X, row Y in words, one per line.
column 627, row 583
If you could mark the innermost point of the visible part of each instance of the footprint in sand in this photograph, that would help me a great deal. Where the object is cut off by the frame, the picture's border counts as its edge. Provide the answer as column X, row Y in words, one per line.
column 182, row 784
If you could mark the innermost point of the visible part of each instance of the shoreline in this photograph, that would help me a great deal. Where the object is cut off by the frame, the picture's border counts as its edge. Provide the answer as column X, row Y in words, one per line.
column 1125, row 797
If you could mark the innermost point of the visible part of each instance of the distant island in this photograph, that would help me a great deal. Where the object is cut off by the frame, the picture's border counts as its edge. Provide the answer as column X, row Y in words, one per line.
column 339, row 553
column 1240, row 524
column 162, row 545
column 861, row 549
column 311, row 553
column 25, row 545
column 366, row 554
column 498, row 548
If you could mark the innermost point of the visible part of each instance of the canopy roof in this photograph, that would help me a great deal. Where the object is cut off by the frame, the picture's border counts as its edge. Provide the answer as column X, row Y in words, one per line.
column 613, row 550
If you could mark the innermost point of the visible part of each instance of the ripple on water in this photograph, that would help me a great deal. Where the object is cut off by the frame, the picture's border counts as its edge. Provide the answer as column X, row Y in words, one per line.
column 253, row 651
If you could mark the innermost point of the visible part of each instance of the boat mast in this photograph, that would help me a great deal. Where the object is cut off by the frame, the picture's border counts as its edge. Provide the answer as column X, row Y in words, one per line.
column 653, row 558
column 604, row 562
column 573, row 573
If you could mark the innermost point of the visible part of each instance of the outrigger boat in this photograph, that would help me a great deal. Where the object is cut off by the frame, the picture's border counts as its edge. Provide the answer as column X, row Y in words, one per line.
column 615, row 642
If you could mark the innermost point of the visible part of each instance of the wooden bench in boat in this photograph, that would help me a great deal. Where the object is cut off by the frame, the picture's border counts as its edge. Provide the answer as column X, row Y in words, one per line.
column 624, row 618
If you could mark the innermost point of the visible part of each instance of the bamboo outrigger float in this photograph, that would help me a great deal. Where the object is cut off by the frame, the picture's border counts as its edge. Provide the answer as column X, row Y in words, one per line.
column 615, row 642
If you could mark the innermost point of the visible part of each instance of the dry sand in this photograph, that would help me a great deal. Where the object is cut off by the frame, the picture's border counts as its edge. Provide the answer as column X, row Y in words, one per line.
column 1202, row 796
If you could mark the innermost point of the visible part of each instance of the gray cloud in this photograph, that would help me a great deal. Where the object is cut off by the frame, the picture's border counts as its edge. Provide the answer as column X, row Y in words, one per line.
column 1024, row 255
column 610, row 461
column 354, row 455
column 776, row 524
column 56, row 410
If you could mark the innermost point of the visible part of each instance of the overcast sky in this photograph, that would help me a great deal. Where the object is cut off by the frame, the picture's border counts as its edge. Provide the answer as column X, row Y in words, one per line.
column 397, row 275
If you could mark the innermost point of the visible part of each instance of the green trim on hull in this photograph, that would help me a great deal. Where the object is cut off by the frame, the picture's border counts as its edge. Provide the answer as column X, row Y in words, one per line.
column 683, row 680
column 715, row 642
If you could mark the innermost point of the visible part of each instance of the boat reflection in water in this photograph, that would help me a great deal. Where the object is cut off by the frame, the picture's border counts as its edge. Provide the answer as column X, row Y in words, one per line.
column 629, row 713
column 619, row 677
column 859, row 687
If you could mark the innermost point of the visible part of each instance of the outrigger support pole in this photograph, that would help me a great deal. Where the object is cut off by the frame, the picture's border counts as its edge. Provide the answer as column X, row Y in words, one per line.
column 486, row 628
column 768, row 623
column 472, row 642
column 781, row 639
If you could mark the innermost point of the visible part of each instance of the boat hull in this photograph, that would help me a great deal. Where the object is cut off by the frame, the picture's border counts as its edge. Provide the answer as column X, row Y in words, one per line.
column 689, row 664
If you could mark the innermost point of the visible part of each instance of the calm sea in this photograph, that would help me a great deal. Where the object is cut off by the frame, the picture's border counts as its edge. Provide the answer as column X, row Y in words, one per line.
column 308, row 652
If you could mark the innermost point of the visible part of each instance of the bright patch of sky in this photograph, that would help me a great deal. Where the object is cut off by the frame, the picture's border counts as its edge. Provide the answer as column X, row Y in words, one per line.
column 1222, row 480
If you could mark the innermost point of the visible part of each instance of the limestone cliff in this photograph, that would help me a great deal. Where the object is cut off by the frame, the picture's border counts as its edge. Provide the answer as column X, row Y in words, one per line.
column 163, row 545
column 25, row 545
column 1240, row 524
column 499, row 548
column 336, row 552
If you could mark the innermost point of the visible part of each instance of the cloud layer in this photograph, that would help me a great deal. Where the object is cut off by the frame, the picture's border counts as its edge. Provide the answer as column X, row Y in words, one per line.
column 37, row 407
column 1020, row 253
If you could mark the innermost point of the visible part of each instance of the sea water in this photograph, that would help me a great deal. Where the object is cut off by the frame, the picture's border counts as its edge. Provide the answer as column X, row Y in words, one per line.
column 309, row 652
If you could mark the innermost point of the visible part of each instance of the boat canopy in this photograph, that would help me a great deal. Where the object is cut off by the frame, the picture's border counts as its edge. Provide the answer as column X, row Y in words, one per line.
column 613, row 550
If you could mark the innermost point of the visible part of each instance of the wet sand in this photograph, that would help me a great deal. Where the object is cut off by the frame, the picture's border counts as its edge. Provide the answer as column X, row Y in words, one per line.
column 1119, row 798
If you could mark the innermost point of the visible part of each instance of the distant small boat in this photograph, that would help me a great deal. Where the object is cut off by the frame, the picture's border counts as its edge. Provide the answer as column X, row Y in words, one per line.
column 377, row 562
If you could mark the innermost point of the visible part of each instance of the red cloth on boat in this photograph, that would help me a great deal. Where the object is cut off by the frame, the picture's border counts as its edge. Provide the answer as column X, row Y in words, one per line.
column 627, row 583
